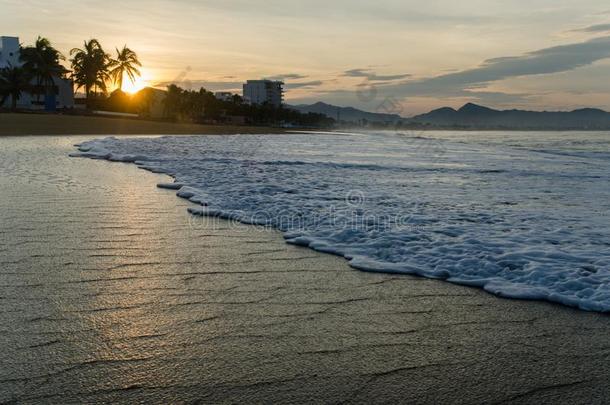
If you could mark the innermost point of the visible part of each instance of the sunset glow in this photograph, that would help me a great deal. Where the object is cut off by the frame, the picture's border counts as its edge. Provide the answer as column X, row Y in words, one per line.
column 539, row 55
column 134, row 86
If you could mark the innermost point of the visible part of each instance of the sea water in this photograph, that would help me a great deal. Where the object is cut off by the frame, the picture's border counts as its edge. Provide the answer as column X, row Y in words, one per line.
column 520, row 214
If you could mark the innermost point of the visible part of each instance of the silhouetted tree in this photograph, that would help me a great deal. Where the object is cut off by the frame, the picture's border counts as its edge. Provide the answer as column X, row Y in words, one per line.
column 90, row 68
column 125, row 63
column 203, row 106
column 13, row 81
column 42, row 62
column 172, row 105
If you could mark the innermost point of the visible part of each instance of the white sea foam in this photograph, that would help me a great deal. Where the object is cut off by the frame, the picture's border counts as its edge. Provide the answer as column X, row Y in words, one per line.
column 501, row 214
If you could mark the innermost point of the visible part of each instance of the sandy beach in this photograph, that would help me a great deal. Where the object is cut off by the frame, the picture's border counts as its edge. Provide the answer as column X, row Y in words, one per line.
column 111, row 292
column 56, row 124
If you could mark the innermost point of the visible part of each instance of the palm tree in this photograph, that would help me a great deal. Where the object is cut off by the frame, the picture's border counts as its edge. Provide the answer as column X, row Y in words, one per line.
column 42, row 62
column 13, row 81
column 90, row 68
column 126, row 63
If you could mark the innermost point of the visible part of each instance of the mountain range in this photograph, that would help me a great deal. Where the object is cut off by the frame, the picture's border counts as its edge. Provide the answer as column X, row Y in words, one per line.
column 347, row 114
column 473, row 116
column 476, row 116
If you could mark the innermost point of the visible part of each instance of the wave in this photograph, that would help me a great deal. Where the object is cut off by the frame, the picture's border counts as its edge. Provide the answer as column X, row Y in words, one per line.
column 527, row 232
column 577, row 154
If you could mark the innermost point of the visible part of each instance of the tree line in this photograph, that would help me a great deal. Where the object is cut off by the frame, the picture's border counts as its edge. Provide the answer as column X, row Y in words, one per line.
column 93, row 70
column 202, row 106
column 41, row 65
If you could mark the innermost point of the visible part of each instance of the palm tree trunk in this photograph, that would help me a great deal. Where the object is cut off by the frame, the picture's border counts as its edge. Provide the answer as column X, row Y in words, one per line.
column 88, row 97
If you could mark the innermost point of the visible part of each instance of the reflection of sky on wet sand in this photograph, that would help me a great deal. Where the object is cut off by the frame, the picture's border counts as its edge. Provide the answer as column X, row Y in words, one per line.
column 111, row 292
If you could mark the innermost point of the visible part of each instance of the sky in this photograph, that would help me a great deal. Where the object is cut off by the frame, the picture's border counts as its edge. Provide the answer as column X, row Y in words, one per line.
column 396, row 56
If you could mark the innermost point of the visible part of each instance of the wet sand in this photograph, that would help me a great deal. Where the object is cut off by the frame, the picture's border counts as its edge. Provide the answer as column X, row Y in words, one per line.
column 111, row 292
column 56, row 124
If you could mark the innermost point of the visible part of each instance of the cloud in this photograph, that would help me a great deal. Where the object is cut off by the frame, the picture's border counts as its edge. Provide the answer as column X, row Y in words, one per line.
column 475, row 84
column 287, row 76
column 299, row 85
column 230, row 85
column 556, row 59
column 594, row 28
column 496, row 97
column 198, row 84
column 350, row 10
column 372, row 76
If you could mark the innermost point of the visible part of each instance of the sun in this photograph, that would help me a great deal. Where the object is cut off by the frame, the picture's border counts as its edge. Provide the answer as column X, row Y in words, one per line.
column 138, row 84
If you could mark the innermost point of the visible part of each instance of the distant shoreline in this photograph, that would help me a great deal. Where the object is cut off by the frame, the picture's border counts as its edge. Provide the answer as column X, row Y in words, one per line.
column 21, row 124
column 474, row 129
column 41, row 124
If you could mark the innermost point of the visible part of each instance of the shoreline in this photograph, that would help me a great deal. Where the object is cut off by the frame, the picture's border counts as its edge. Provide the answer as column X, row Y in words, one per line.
column 42, row 124
column 22, row 124
column 365, row 264
column 149, row 303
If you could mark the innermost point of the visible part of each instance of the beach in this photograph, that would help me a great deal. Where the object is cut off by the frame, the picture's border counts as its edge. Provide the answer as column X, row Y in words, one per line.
column 57, row 124
column 112, row 292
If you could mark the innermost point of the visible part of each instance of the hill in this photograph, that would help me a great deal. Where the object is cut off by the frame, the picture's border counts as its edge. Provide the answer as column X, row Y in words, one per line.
column 347, row 114
column 476, row 116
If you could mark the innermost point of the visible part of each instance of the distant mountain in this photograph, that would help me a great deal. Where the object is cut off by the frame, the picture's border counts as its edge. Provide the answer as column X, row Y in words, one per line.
column 476, row 116
column 347, row 114
column 471, row 116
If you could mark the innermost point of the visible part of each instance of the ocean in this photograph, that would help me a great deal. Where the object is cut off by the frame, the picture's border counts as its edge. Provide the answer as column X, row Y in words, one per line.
column 520, row 214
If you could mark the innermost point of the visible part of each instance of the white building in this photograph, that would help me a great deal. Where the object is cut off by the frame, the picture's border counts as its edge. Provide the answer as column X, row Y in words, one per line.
column 264, row 92
column 9, row 51
column 35, row 99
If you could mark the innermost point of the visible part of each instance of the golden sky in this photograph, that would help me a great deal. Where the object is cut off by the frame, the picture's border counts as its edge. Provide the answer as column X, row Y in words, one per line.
column 410, row 55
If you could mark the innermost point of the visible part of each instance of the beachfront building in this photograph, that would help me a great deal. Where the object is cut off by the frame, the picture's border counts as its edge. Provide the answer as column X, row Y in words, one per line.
column 264, row 92
column 9, row 51
column 35, row 98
